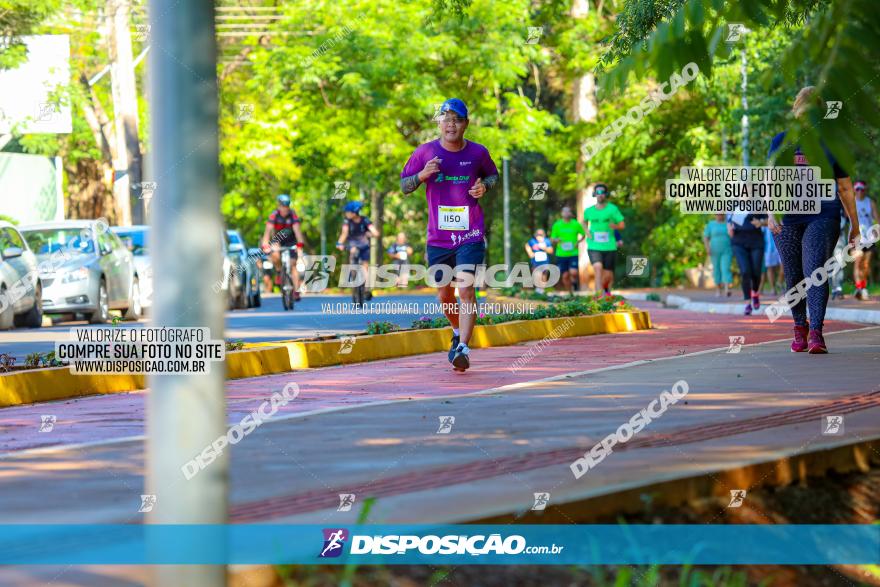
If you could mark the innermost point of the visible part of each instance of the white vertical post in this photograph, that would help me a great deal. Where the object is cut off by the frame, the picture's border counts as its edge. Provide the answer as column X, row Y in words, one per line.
column 186, row 412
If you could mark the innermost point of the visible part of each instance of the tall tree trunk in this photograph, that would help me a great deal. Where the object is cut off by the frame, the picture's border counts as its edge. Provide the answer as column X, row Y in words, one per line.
column 584, row 108
column 89, row 186
column 128, row 162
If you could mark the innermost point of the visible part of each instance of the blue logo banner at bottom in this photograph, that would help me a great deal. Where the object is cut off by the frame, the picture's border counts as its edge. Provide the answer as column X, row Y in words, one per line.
column 442, row 544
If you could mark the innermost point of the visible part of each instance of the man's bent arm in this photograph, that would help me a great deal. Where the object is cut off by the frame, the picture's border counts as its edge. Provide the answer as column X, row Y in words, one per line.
column 410, row 184
column 490, row 181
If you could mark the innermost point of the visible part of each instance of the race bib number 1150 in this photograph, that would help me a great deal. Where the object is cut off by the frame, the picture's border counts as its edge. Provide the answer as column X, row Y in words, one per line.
column 453, row 217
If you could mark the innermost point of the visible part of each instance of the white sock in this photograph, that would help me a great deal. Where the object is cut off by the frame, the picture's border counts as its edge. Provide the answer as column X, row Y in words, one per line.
column 455, row 332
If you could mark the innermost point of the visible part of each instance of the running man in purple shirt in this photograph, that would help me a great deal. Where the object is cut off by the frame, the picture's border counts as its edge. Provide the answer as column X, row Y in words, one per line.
column 456, row 173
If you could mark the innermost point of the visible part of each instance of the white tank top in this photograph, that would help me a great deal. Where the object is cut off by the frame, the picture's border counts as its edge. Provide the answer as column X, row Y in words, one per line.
column 863, row 211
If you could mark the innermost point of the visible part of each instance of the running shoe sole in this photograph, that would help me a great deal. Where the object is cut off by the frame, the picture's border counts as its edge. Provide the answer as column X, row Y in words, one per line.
column 451, row 354
column 461, row 362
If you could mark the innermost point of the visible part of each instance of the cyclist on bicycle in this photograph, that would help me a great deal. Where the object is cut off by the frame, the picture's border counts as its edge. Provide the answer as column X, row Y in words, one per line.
column 283, row 230
column 355, row 235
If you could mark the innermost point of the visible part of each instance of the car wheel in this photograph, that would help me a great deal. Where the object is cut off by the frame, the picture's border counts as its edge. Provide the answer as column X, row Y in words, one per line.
column 7, row 318
column 134, row 310
column 258, row 300
column 33, row 318
column 102, row 314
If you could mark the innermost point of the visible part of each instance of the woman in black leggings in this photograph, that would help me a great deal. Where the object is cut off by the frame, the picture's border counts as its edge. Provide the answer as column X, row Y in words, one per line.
column 747, row 240
column 806, row 241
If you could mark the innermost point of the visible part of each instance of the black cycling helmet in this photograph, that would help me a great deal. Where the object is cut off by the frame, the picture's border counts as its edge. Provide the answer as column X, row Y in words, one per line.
column 283, row 199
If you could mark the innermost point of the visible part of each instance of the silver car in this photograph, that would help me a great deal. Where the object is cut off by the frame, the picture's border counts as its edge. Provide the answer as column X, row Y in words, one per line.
column 135, row 239
column 85, row 269
column 20, row 290
column 250, row 272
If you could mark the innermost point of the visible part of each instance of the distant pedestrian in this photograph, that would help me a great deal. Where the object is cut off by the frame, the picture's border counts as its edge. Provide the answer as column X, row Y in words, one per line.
column 772, row 263
column 719, row 251
column 866, row 210
column 400, row 253
column 747, row 240
column 539, row 248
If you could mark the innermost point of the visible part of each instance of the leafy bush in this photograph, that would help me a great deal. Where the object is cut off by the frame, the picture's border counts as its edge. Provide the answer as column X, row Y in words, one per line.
column 7, row 361
column 234, row 345
column 572, row 306
column 425, row 322
column 653, row 297
column 381, row 327
column 34, row 360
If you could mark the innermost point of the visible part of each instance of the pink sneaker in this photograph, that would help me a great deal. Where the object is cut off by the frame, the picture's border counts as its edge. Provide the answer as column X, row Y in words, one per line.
column 817, row 343
column 799, row 344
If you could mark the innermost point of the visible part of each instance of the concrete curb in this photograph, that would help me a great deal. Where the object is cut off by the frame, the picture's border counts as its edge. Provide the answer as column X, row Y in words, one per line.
column 258, row 359
column 685, row 303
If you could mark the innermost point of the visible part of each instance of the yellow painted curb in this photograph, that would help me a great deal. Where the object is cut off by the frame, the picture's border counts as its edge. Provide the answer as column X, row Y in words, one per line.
column 265, row 358
column 42, row 385
column 324, row 353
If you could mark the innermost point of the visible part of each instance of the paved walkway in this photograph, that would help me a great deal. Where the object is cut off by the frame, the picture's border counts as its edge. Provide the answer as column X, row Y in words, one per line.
column 99, row 419
column 378, row 433
column 371, row 430
column 706, row 301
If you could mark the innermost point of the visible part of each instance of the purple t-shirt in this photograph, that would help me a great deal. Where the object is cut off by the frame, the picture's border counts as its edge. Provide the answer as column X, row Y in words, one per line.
column 454, row 216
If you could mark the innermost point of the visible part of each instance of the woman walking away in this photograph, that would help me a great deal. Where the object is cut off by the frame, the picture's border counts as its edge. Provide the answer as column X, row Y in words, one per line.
column 772, row 262
column 748, row 247
column 806, row 241
column 718, row 249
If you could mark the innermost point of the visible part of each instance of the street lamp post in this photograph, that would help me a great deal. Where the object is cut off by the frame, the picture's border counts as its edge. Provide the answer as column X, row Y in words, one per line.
column 186, row 412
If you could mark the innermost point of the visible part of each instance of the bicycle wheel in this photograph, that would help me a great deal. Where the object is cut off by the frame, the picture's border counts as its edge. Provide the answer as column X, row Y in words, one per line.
column 287, row 298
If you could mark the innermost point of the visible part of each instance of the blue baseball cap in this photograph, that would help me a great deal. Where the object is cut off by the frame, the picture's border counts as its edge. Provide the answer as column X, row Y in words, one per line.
column 455, row 105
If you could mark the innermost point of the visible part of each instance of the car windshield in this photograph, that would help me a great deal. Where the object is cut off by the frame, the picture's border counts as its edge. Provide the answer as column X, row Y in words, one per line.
column 134, row 240
column 50, row 240
column 234, row 239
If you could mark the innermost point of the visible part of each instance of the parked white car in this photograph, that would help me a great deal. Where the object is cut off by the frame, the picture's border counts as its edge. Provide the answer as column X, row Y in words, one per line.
column 87, row 270
column 20, row 288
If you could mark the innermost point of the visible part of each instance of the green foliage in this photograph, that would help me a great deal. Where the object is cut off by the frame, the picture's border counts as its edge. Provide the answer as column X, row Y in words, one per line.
column 826, row 46
column 572, row 306
column 381, row 327
column 17, row 19
column 353, row 101
column 34, row 360
column 675, row 245
column 428, row 322
column 234, row 345
column 7, row 361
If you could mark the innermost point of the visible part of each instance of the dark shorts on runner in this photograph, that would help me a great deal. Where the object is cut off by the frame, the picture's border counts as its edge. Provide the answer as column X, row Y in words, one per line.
column 566, row 263
column 607, row 258
column 363, row 254
column 467, row 254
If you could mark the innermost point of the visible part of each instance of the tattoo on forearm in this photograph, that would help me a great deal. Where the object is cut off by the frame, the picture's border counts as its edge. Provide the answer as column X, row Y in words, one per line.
column 410, row 184
column 490, row 182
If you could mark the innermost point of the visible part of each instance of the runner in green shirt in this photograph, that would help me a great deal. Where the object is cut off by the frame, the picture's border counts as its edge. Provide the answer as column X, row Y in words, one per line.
column 602, row 220
column 566, row 233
